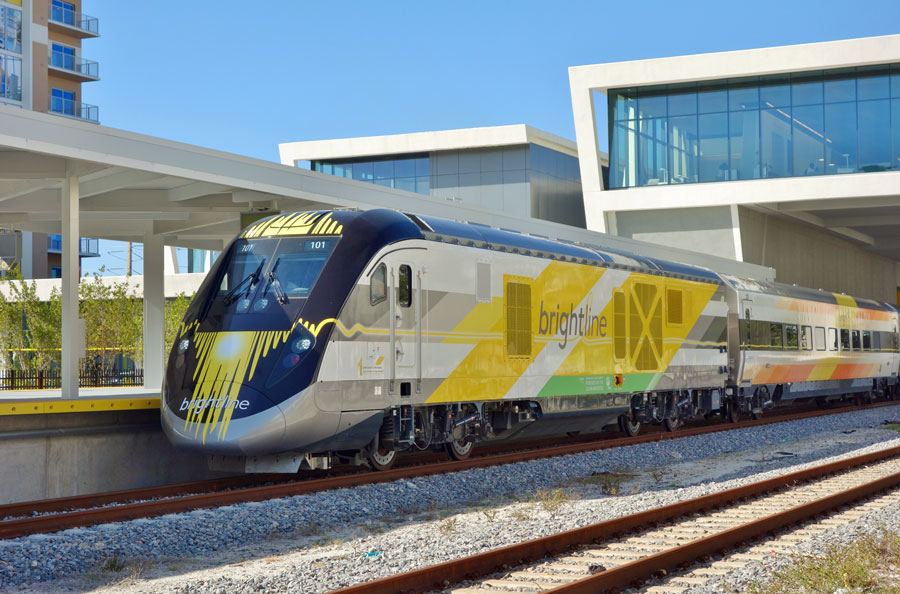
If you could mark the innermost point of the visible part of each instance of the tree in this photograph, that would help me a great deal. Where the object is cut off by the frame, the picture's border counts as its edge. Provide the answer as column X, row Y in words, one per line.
column 175, row 309
column 114, row 321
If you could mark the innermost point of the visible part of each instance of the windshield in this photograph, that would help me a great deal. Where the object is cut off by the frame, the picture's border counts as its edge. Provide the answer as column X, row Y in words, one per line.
column 263, row 274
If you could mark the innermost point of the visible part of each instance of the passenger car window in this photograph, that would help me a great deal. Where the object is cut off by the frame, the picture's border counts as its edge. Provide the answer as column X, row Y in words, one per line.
column 775, row 335
column 857, row 343
column 845, row 339
column 866, row 340
column 806, row 338
column 378, row 285
column 832, row 339
column 820, row 338
column 790, row 336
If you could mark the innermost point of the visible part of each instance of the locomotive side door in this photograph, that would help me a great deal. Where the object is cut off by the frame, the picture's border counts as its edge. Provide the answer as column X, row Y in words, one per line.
column 406, row 328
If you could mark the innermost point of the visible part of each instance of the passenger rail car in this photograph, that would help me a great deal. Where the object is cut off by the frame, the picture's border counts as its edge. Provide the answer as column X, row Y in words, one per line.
column 347, row 335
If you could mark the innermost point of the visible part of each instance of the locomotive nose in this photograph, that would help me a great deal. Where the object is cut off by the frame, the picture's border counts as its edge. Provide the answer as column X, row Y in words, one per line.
column 248, row 424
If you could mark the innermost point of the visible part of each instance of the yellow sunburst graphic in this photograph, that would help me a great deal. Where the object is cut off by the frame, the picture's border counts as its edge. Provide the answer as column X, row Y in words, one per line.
column 225, row 361
column 299, row 223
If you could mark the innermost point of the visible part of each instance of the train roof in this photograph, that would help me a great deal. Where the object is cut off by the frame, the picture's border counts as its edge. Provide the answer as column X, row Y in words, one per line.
column 483, row 236
column 395, row 226
column 798, row 292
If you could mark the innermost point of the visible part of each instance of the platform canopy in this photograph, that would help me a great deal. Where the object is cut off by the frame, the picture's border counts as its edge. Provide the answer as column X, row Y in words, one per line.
column 59, row 175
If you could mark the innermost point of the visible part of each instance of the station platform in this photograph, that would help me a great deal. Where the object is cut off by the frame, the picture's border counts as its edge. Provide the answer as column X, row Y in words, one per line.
column 107, row 439
column 30, row 402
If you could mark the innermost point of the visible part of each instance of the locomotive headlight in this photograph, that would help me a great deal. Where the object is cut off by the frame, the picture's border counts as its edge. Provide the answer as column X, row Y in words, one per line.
column 296, row 349
column 301, row 345
column 183, row 345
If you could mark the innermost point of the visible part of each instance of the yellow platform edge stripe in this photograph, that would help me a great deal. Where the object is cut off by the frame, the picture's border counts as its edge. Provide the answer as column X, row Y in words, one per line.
column 41, row 407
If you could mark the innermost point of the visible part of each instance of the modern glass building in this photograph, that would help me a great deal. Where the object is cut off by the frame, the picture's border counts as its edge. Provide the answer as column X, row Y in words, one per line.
column 518, row 169
column 787, row 125
column 787, row 157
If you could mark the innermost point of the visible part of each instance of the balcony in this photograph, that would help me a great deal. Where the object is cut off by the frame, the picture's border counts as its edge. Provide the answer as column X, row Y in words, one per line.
column 73, row 67
column 87, row 247
column 76, row 24
column 74, row 109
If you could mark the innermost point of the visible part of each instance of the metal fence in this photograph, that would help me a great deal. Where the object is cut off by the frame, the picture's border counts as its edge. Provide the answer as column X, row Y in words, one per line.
column 12, row 379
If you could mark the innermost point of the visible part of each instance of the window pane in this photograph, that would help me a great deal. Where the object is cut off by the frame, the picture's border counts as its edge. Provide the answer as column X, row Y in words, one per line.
column 653, row 167
column 423, row 185
column 405, row 183
column 775, row 96
column 840, row 130
column 652, row 107
column 363, row 171
column 874, row 135
column 683, row 104
column 744, row 145
column 775, row 145
column 623, row 161
column 712, row 101
column 743, row 98
column 806, row 93
column 384, row 169
column 873, row 87
column 683, row 149
column 713, row 132
column 625, row 106
column 423, row 166
column 405, row 168
column 809, row 146
column 895, row 131
column 840, row 90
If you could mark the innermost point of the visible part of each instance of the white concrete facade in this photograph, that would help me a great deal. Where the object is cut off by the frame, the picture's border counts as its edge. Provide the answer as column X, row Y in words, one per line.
column 862, row 209
column 420, row 142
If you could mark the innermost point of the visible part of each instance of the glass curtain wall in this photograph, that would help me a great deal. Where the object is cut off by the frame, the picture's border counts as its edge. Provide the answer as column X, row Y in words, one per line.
column 813, row 123
column 403, row 172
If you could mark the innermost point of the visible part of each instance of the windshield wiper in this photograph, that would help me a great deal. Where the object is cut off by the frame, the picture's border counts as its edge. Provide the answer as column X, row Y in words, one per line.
column 253, row 276
column 276, row 285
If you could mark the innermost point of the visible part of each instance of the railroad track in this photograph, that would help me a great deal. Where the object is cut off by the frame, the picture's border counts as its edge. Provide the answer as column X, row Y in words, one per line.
column 624, row 552
column 64, row 513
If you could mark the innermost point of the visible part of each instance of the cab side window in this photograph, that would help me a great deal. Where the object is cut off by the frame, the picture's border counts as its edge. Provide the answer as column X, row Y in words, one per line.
column 404, row 289
column 378, row 285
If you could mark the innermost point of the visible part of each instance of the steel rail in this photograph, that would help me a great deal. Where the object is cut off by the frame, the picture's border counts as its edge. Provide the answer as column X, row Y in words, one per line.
column 433, row 577
column 144, row 509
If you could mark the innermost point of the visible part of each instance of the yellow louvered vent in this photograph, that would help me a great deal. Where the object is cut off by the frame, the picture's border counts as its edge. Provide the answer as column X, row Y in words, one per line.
column 518, row 320
column 645, row 326
column 619, row 331
column 675, row 306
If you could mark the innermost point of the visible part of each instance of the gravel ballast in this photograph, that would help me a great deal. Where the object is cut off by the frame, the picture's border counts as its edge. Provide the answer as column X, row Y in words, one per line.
column 323, row 541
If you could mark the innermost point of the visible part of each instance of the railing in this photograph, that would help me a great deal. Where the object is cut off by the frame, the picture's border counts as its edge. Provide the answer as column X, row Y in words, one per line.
column 72, row 63
column 82, row 111
column 67, row 16
column 87, row 246
column 88, row 377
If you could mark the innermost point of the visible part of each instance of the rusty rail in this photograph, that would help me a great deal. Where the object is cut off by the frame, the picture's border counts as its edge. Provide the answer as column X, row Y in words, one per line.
column 433, row 577
column 144, row 509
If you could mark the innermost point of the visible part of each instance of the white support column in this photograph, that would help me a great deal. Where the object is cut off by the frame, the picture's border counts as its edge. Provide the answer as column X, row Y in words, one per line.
column 736, row 232
column 154, row 311
column 72, row 326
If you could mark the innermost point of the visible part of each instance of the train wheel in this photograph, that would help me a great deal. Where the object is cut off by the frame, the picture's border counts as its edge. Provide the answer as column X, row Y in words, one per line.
column 731, row 413
column 671, row 424
column 382, row 459
column 629, row 427
column 460, row 450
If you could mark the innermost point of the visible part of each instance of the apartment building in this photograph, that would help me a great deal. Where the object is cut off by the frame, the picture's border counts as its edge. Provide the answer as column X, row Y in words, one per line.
column 42, row 69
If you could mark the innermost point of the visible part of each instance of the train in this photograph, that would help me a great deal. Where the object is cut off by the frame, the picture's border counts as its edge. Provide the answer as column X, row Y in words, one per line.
column 350, row 336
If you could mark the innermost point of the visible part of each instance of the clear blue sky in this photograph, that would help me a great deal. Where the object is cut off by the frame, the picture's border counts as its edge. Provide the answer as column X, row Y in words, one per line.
column 244, row 76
